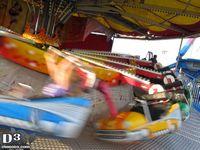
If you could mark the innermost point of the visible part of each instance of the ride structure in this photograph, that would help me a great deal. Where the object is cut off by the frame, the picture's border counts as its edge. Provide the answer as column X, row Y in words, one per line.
column 190, row 67
column 123, row 127
column 156, row 89
column 125, row 70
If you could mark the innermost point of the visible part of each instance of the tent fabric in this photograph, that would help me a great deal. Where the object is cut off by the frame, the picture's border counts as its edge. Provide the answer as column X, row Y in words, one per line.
column 148, row 18
column 76, row 29
column 73, row 30
column 92, row 42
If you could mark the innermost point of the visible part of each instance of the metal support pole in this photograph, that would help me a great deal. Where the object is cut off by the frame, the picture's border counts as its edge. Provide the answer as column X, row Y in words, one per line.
column 50, row 17
column 49, row 24
column 37, row 23
column 179, row 54
column 146, row 111
column 53, row 26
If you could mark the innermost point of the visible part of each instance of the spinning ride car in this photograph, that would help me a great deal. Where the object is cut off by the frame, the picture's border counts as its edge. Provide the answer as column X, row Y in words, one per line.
column 155, row 115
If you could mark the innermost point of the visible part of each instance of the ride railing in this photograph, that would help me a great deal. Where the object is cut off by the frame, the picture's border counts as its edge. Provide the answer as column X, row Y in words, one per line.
column 196, row 96
column 195, row 91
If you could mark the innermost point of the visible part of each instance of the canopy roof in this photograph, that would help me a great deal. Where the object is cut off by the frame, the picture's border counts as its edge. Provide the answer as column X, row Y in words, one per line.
column 151, row 19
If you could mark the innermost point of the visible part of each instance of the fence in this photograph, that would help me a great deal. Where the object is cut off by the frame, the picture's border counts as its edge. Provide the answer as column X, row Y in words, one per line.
column 195, row 90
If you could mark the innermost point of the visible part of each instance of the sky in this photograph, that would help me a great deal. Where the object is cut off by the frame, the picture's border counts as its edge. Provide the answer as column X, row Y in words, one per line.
column 166, row 50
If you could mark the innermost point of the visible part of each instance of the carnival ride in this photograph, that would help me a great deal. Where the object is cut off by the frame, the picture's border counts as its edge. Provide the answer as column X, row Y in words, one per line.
column 161, row 102
column 123, row 127
column 155, row 119
column 45, row 117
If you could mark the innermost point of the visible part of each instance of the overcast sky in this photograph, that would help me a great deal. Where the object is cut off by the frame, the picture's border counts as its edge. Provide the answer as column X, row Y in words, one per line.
column 167, row 50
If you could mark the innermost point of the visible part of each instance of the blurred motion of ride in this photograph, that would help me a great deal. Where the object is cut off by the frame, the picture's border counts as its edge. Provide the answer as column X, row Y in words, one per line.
column 160, row 105
column 47, row 116
column 151, row 116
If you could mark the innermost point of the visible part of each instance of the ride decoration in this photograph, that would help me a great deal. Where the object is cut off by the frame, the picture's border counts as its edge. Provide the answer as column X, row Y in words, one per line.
column 23, row 52
column 41, row 37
